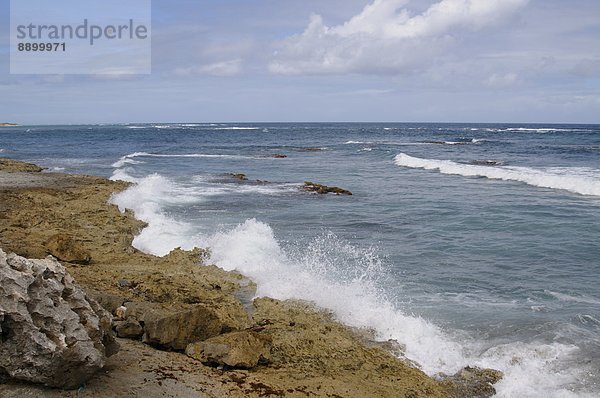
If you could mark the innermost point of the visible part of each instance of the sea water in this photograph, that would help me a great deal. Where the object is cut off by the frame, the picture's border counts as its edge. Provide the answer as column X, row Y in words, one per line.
column 472, row 244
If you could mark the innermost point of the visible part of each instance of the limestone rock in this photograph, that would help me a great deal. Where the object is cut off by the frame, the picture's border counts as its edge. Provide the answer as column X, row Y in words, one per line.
column 50, row 331
column 472, row 382
column 15, row 166
column 109, row 302
column 129, row 329
column 243, row 350
column 172, row 328
column 65, row 248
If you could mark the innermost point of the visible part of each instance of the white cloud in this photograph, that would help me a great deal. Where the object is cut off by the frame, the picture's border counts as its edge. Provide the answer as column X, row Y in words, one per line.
column 224, row 68
column 384, row 37
column 500, row 80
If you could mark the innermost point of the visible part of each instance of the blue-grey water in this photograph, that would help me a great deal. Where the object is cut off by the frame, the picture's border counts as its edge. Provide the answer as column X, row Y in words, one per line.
column 470, row 243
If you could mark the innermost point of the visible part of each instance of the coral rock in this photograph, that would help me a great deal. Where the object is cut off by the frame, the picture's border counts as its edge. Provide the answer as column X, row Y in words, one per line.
column 50, row 331
column 243, row 350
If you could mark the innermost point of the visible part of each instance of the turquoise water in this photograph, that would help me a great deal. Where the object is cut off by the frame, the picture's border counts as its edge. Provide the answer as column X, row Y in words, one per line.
column 471, row 244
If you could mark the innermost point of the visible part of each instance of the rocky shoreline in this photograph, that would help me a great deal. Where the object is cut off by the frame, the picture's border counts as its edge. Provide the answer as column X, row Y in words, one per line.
column 188, row 329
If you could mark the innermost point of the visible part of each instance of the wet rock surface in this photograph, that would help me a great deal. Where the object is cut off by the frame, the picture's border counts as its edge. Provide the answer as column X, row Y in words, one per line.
column 51, row 333
column 324, row 189
column 472, row 382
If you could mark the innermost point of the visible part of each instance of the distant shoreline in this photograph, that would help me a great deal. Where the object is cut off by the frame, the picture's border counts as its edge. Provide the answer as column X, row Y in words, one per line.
column 8, row 124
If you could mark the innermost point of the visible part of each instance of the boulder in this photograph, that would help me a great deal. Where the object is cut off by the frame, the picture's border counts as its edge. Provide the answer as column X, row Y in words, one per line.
column 241, row 350
column 65, row 248
column 50, row 331
column 129, row 329
column 174, row 329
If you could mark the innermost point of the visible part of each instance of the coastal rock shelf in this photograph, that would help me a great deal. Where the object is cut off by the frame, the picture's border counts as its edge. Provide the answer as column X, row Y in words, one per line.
column 292, row 348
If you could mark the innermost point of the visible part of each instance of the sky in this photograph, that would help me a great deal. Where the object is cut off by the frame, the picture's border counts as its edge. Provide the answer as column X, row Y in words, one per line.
column 513, row 61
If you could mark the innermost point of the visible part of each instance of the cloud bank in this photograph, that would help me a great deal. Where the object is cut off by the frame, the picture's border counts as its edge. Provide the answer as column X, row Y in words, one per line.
column 385, row 38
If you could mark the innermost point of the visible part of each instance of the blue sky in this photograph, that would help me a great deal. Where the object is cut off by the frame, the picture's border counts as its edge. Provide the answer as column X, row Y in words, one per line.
column 337, row 60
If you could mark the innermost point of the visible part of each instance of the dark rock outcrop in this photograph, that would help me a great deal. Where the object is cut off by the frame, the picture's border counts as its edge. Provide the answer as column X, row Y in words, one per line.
column 487, row 162
column 312, row 149
column 323, row 189
column 50, row 331
column 238, row 176
column 240, row 350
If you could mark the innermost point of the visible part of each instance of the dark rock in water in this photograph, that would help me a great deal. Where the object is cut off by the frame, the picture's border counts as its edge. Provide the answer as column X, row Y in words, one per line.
column 238, row 176
column 279, row 156
column 472, row 382
column 50, row 332
column 14, row 166
column 596, row 147
column 323, row 189
column 240, row 350
column 487, row 162
column 65, row 248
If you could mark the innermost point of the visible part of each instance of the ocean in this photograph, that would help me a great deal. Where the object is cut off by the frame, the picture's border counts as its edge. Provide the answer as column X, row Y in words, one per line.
column 470, row 244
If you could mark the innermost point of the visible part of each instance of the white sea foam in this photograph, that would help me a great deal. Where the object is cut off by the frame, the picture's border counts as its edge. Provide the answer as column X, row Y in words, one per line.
column 311, row 271
column 237, row 128
column 129, row 159
column 577, row 299
column 584, row 181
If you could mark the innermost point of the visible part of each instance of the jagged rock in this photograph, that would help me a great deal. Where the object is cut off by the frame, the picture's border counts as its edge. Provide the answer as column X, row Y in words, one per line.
column 242, row 350
column 176, row 328
column 472, row 382
column 14, row 166
column 323, row 189
column 50, row 331
column 129, row 329
column 65, row 248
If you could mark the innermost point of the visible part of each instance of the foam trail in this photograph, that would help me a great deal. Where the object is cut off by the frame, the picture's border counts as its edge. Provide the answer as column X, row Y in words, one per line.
column 128, row 158
column 579, row 180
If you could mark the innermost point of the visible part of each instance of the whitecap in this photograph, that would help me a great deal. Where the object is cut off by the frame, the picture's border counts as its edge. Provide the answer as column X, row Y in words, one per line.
column 584, row 181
